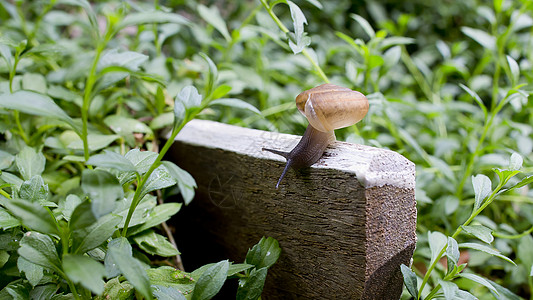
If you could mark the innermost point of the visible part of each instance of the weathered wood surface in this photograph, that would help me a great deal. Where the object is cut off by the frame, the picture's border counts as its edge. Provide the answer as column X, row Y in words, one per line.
column 344, row 225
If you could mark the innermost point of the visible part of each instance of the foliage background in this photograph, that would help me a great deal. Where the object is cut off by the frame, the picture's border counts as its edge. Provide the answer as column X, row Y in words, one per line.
column 448, row 84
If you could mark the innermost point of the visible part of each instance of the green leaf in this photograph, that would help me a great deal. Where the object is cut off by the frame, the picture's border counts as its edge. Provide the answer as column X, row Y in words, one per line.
column 7, row 220
column 34, row 190
column 32, row 214
column 186, row 182
column 298, row 39
column 523, row 251
column 132, row 269
column 481, row 232
column 155, row 244
column 116, row 290
column 160, row 178
column 409, row 279
column 189, row 96
column 39, row 249
column 476, row 97
column 34, row 104
column 143, row 209
column 237, row 268
column 515, row 162
column 6, row 159
column 128, row 59
column 437, row 241
column 123, row 246
column 211, row 281
column 96, row 141
column 487, row 250
column 30, row 162
column 158, row 215
column 504, row 293
column 149, row 17
column 163, row 120
column 482, row 189
column 67, row 205
column 525, row 181
column 167, row 293
column 449, row 289
column 236, row 103
column 365, row 25
column 452, row 252
column 82, row 216
column 142, row 160
column 515, row 69
column 212, row 16
column 480, row 280
column 103, row 189
column 112, row 160
column 122, row 125
column 32, row 272
column 264, row 254
column 168, row 276
column 212, row 74
column 85, row 271
column 253, row 287
column 96, row 234
column 484, row 39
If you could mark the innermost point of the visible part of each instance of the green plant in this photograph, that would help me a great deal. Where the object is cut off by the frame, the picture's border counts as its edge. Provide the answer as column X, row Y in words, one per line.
column 79, row 200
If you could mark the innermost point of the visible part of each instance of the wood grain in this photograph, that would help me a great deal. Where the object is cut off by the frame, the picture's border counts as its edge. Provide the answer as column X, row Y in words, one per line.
column 344, row 225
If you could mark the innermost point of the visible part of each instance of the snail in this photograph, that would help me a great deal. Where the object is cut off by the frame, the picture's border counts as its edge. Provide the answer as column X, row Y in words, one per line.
column 327, row 107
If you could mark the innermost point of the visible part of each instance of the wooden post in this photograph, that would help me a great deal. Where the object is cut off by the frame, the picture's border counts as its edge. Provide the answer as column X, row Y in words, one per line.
column 344, row 225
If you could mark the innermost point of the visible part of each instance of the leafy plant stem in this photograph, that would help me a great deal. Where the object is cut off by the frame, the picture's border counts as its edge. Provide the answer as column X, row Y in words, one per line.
column 516, row 236
column 270, row 11
column 72, row 287
column 5, row 194
column 137, row 196
column 91, row 80
column 474, row 214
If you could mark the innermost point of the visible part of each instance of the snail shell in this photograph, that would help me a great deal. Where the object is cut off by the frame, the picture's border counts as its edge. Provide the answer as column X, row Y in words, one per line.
column 329, row 107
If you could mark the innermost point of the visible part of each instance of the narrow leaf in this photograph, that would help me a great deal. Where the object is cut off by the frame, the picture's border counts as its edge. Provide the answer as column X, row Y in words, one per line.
column 481, row 232
column 476, row 97
column 211, row 281
column 30, row 162
column 96, row 235
column 487, row 250
column 484, row 39
column 264, row 254
column 253, row 287
column 103, row 189
column 111, row 160
column 515, row 162
column 85, row 271
column 365, row 25
column 482, row 189
column 410, row 281
column 32, row 214
column 437, row 241
column 515, row 69
column 40, row 250
column 34, row 104
column 212, row 16
column 480, row 280
column 132, row 269
column 236, row 103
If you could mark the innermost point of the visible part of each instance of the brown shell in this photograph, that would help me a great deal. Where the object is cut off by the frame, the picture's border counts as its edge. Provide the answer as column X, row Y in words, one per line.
column 329, row 107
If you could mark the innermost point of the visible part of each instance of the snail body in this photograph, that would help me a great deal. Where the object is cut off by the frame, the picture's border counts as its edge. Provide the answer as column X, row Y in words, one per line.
column 327, row 107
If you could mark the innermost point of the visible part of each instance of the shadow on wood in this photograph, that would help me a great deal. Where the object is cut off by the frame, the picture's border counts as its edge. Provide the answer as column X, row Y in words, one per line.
column 345, row 225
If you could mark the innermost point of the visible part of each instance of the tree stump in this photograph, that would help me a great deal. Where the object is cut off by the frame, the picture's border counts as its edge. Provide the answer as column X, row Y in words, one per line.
column 345, row 225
